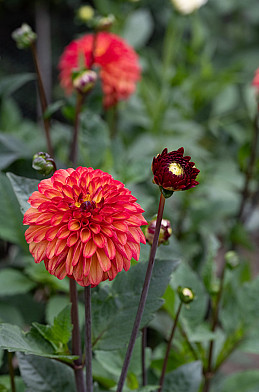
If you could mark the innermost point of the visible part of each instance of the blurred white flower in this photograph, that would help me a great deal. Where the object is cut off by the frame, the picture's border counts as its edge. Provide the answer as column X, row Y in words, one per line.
column 188, row 6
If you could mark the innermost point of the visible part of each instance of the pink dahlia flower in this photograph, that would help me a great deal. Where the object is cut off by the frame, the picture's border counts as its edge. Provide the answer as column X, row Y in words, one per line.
column 118, row 63
column 84, row 224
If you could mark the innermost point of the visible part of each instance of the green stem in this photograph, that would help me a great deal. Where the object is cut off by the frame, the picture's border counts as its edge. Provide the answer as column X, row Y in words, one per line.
column 143, row 296
column 74, row 146
column 209, row 371
column 43, row 100
column 143, row 356
column 76, row 340
column 161, row 382
column 11, row 371
column 250, row 169
column 88, row 340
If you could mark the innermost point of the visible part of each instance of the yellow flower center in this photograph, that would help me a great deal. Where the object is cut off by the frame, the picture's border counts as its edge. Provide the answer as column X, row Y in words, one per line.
column 176, row 169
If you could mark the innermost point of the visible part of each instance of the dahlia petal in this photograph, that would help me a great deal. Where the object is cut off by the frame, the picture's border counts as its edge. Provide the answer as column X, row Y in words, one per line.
column 30, row 216
column 110, row 249
column 36, row 199
column 104, row 261
column 99, row 240
column 107, row 231
column 67, row 191
column 60, row 271
column 69, row 261
column 77, row 253
column 135, row 250
column 50, row 250
column 40, row 234
column 74, row 224
column 85, row 235
column 63, row 232
column 118, row 261
column 51, row 233
column 89, row 249
column 60, row 246
column 122, row 238
column 87, row 264
column 39, row 251
column 121, row 226
column 50, row 193
column 56, row 219
column 96, row 272
column 72, row 239
column 95, row 228
column 112, row 272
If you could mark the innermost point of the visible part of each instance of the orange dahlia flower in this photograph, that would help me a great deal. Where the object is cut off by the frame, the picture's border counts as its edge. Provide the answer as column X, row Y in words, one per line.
column 118, row 63
column 84, row 224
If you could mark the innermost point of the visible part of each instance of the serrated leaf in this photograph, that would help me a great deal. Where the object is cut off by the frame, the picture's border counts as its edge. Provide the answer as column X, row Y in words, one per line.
column 23, row 188
column 45, row 375
column 59, row 333
column 11, row 228
column 114, row 309
column 186, row 378
column 12, row 338
column 14, row 282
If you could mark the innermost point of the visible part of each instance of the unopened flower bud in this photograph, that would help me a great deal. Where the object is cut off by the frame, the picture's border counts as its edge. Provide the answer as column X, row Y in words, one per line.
column 85, row 13
column 232, row 259
column 84, row 81
column 43, row 163
column 24, row 36
column 164, row 234
column 186, row 294
column 105, row 22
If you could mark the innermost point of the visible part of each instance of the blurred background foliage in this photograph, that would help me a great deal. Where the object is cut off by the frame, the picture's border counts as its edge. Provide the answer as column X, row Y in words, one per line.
column 195, row 92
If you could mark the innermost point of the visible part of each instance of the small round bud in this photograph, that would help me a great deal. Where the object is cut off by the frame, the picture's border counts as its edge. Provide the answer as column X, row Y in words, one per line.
column 164, row 234
column 104, row 22
column 232, row 259
column 84, row 81
column 43, row 163
column 85, row 13
column 24, row 36
column 186, row 294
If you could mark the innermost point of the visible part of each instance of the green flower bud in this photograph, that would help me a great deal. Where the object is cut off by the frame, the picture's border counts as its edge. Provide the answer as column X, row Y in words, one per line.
column 84, row 81
column 85, row 13
column 186, row 294
column 232, row 259
column 104, row 22
column 43, row 163
column 24, row 36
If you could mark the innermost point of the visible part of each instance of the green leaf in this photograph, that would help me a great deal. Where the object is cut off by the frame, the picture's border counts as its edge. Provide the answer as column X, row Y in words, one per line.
column 114, row 307
column 45, row 375
column 9, row 84
column 186, row 378
column 5, row 385
column 23, row 188
column 12, row 338
column 138, row 28
column 11, row 228
column 14, row 282
column 11, row 149
column 246, row 381
column 59, row 333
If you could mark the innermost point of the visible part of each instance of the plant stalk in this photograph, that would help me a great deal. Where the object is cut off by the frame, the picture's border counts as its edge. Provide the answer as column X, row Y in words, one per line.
column 74, row 146
column 161, row 382
column 143, row 356
column 88, row 340
column 208, row 373
column 43, row 100
column 143, row 296
column 76, row 340
column 11, row 371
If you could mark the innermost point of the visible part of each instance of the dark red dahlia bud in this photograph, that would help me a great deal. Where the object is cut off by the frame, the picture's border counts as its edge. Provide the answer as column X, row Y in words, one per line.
column 43, row 163
column 164, row 234
column 174, row 172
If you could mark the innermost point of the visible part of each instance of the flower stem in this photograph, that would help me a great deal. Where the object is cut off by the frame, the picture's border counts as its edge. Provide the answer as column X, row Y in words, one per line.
column 74, row 146
column 250, row 168
column 11, row 371
column 143, row 357
column 208, row 373
column 143, row 296
column 161, row 382
column 76, row 340
column 43, row 100
column 88, row 341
